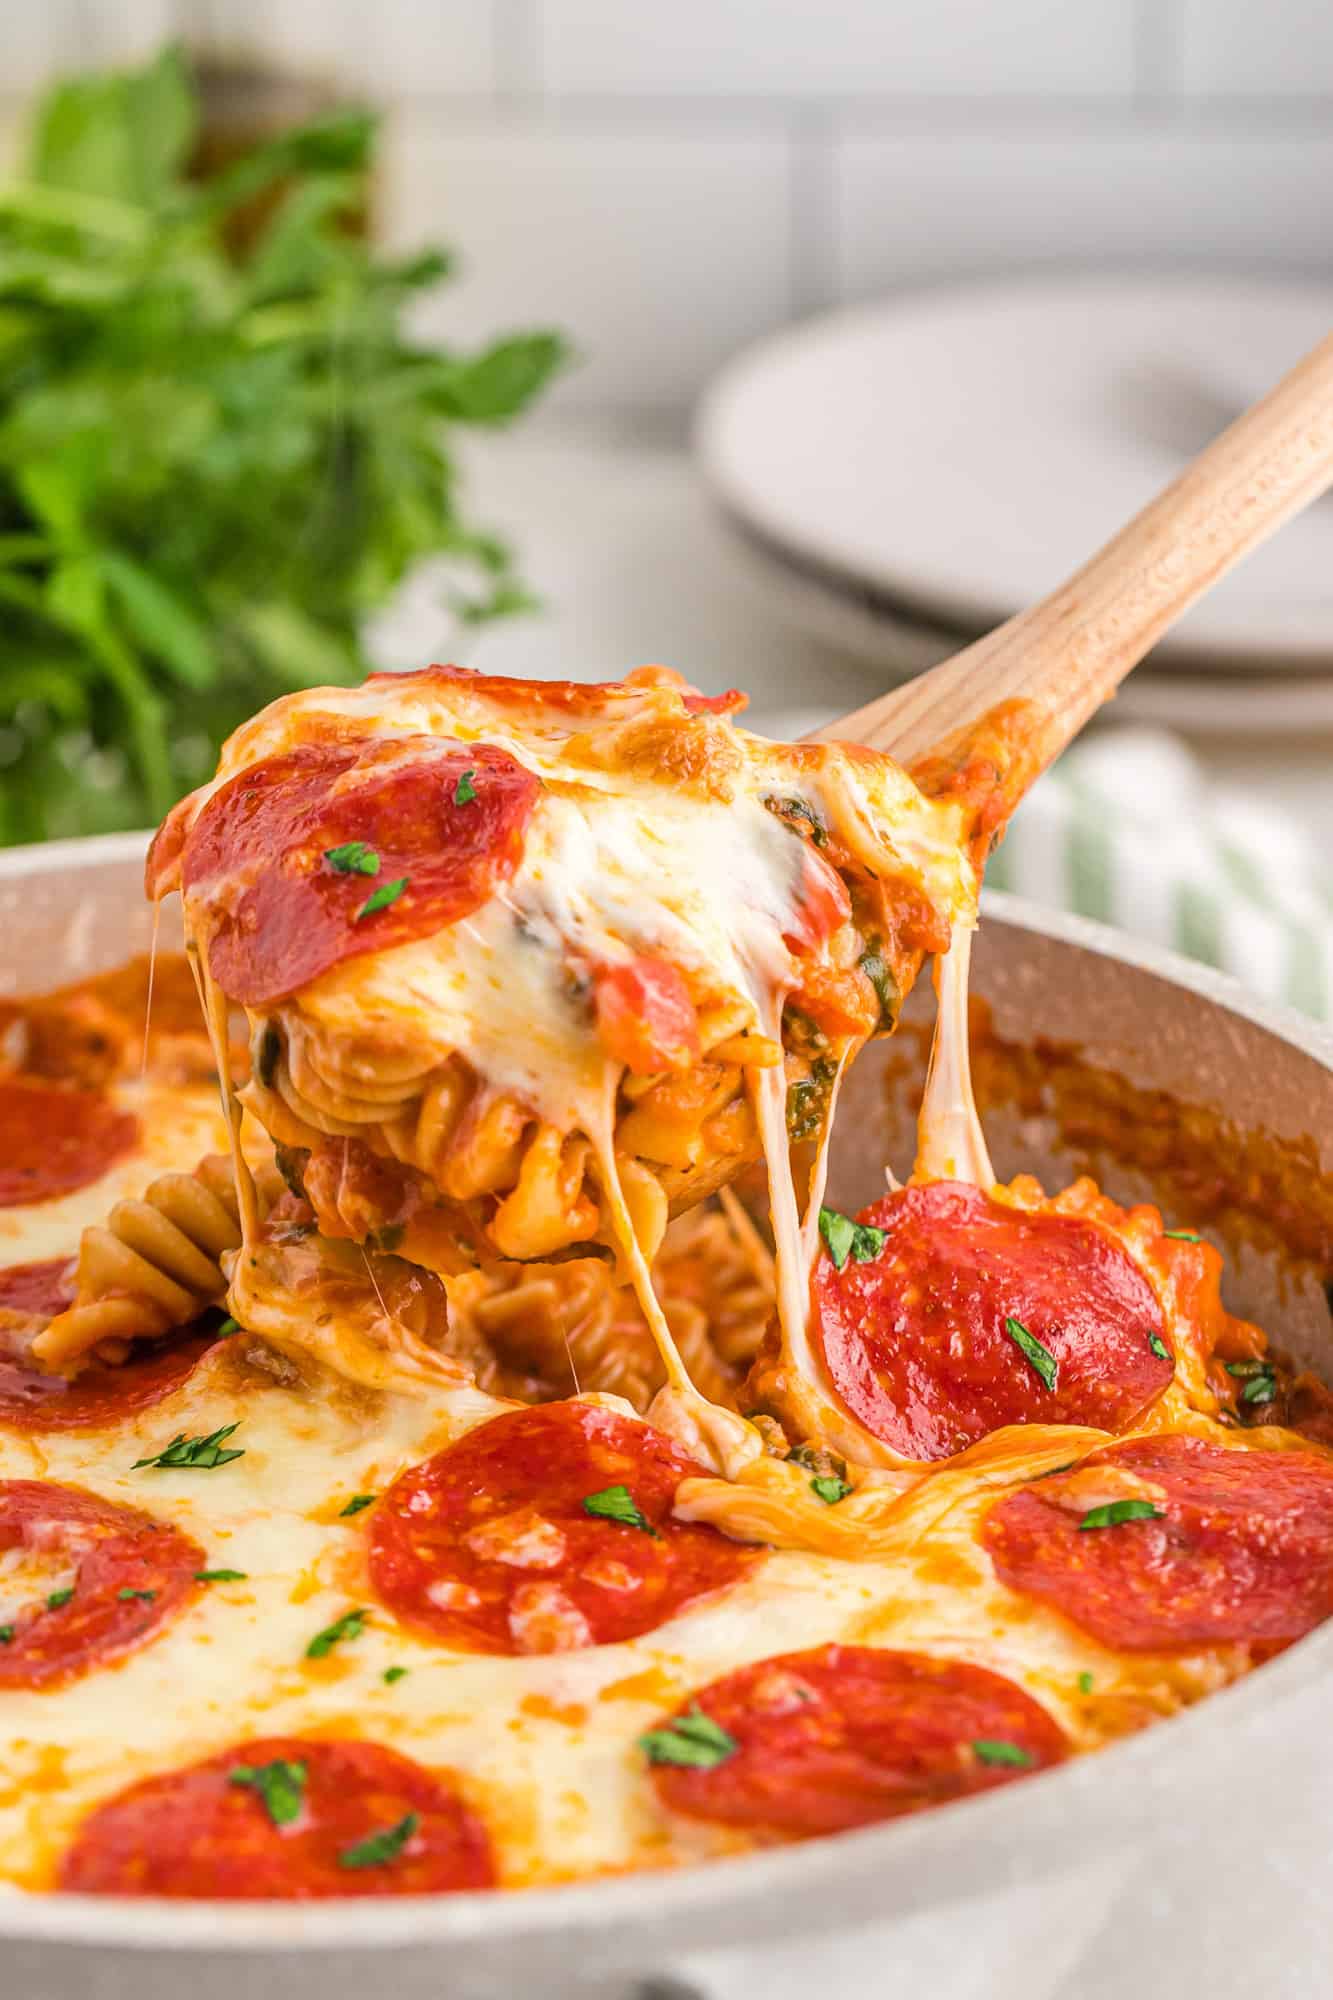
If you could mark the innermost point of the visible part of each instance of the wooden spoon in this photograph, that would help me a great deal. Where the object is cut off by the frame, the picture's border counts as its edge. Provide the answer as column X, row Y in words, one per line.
column 990, row 719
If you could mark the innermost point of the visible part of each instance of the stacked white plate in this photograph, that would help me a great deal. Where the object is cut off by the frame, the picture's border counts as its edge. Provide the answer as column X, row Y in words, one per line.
column 904, row 475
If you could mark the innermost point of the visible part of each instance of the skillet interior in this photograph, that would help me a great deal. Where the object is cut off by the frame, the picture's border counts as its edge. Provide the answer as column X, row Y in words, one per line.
column 1002, row 1895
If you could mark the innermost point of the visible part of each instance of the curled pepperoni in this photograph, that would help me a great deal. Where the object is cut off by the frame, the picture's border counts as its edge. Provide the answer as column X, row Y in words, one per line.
column 924, row 1340
column 446, row 820
column 54, row 1139
column 1241, row 1548
column 490, row 1547
column 846, row 1735
column 132, row 1574
column 645, row 1015
column 353, row 1819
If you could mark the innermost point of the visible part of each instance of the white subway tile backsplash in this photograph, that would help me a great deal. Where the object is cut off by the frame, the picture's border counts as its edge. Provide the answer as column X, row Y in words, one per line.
column 912, row 209
column 804, row 48
column 389, row 48
column 1235, row 48
column 657, row 254
column 42, row 41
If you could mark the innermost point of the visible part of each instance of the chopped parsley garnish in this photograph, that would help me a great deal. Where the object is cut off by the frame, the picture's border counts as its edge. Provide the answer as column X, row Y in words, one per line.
column 221, row 1576
column 1259, row 1389
column 59, row 1597
column 465, row 791
column 198, row 1453
column 876, row 969
column 1115, row 1512
column 354, row 857
column 1085, row 1682
column 1157, row 1346
column 392, row 1674
column 228, row 1326
column 845, row 1238
column 347, row 1627
column 281, row 1785
column 617, row 1503
column 380, row 899
column 995, row 1750
column 1183, row 1235
column 6, row 1635
column 1246, row 1368
column 692, row 1739
column 377, row 1848
column 807, row 1099
column 356, row 1504
column 1039, row 1358
column 830, row 1491
column 127, row 1593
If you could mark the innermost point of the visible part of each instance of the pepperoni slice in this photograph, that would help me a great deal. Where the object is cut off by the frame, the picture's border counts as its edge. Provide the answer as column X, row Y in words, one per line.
column 1242, row 1551
column 490, row 1547
column 353, row 1819
column 846, row 1735
column 41, row 1290
column 132, row 1573
column 920, row 1339
column 31, row 1399
column 645, row 1015
column 446, row 819
column 56, row 1139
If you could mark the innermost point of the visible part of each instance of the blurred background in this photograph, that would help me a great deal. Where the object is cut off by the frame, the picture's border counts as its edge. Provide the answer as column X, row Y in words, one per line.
column 1074, row 238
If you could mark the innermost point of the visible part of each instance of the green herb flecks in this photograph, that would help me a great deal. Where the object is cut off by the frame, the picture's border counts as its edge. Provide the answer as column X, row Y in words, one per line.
column 128, row 1594
column 59, row 1597
column 1085, row 1682
column 392, row 1675
column 692, row 1739
column 226, row 442
column 6, row 1635
column 876, row 969
column 281, row 1785
column 357, row 1505
column 830, row 1491
column 801, row 816
column 1183, row 1235
column 354, row 857
column 617, row 1503
column 1157, row 1346
column 465, row 791
column 227, row 1328
column 199, row 1454
column 349, row 1626
column 378, row 1848
column 1114, row 1513
column 221, row 1576
column 1038, row 1357
column 845, row 1238
column 380, row 899
column 808, row 1099
column 995, row 1750
column 1259, row 1389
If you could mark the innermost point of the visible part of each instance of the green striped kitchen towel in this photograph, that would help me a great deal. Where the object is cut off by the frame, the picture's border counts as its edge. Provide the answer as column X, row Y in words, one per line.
column 1125, row 829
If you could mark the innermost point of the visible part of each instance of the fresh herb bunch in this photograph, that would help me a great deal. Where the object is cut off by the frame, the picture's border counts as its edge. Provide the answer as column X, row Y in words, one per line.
column 213, row 466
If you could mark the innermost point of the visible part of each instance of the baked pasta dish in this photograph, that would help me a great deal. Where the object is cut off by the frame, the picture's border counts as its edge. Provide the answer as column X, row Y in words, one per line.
column 449, row 1442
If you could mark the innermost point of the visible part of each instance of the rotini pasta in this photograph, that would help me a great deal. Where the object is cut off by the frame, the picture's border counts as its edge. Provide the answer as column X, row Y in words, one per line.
column 154, row 1264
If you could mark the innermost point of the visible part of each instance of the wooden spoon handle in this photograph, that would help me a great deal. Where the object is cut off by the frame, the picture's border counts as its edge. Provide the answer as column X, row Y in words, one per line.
column 1068, row 654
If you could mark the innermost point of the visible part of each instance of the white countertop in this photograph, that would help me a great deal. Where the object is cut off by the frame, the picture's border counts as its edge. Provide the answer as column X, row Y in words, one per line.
column 621, row 544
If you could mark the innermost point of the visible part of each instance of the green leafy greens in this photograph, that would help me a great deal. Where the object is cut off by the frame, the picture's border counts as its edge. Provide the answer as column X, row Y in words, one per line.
column 617, row 1503
column 692, row 1739
column 1038, row 1357
column 202, row 1453
column 215, row 462
column 1114, row 1513
column 281, row 1785
column 347, row 1627
column 377, row 1848
column 846, row 1238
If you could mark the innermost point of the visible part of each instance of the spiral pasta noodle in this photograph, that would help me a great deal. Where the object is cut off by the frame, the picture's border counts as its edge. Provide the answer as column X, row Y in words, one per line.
column 540, row 1330
column 153, row 1265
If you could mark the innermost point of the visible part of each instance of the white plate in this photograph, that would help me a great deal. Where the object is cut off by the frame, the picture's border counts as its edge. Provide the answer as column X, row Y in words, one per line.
column 1252, row 707
column 963, row 451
